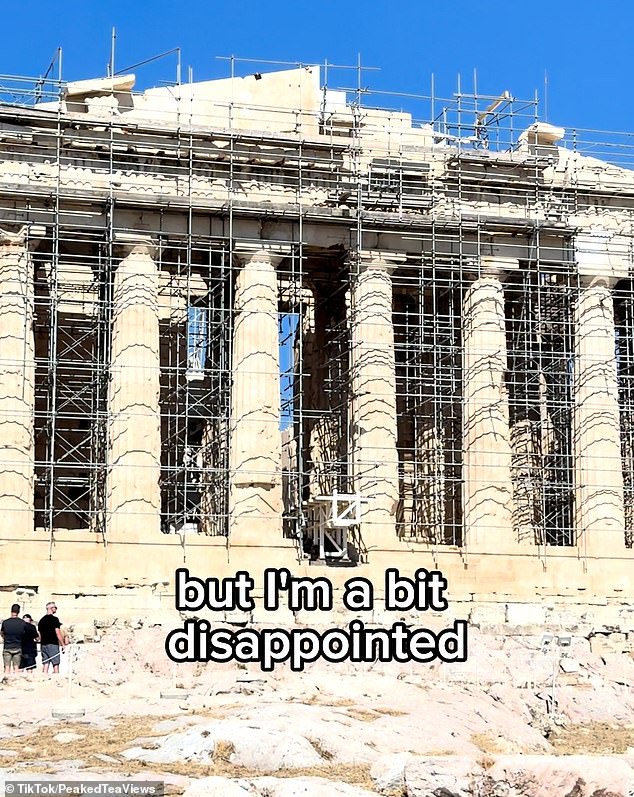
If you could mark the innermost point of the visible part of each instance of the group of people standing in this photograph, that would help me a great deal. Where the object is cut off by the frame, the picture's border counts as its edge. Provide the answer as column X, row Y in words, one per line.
column 20, row 636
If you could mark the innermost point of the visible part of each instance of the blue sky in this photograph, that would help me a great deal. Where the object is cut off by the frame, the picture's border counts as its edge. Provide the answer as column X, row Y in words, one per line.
column 583, row 46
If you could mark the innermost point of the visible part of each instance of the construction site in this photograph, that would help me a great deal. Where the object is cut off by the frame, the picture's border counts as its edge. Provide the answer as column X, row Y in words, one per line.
column 274, row 319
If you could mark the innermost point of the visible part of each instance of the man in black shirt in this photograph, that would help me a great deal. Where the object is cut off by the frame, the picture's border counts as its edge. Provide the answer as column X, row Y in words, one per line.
column 29, row 646
column 51, row 638
column 12, row 631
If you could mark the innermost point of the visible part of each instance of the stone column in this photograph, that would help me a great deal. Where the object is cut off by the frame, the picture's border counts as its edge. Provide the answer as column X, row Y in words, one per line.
column 133, row 496
column 599, row 507
column 430, row 478
column 17, row 383
column 212, row 510
column 255, row 490
column 487, row 496
column 373, row 418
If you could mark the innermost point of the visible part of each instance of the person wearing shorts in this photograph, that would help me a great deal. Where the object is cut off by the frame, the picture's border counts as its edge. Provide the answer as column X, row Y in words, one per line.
column 12, row 631
column 51, row 638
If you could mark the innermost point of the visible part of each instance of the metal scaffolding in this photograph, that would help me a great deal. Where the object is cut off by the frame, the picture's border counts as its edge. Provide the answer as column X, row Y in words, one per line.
column 90, row 177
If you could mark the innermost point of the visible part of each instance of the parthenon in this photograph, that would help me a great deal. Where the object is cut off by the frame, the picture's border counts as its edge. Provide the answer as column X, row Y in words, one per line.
column 260, row 321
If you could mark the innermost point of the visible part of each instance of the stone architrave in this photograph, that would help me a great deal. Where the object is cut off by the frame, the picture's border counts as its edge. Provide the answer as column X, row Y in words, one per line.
column 488, row 493
column 255, row 488
column 599, row 504
column 373, row 400
column 17, row 381
column 133, row 496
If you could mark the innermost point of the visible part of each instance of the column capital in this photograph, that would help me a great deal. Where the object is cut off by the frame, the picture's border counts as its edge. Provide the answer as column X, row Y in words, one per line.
column 377, row 260
column 27, row 235
column 134, row 243
column 587, row 281
column 602, row 255
column 491, row 266
column 260, row 252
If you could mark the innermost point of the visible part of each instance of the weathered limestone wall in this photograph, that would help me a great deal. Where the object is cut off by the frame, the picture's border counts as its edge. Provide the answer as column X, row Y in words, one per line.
column 17, row 382
column 134, row 430
column 287, row 101
column 135, row 578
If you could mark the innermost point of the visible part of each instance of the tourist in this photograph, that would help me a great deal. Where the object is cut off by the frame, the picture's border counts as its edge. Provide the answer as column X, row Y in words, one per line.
column 12, row 632
column 51, row 638
column 29, row 643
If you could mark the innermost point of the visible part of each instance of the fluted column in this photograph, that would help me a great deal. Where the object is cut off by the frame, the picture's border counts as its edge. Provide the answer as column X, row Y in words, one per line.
column 599, row 508
column 255, row 490
column 487, row 497
column 17, row 383
column 213, row 484
column 430, row 473
column 134, row 430
column 373, row 405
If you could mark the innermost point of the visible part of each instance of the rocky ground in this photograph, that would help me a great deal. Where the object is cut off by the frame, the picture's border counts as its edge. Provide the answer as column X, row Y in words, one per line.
column 514, row 720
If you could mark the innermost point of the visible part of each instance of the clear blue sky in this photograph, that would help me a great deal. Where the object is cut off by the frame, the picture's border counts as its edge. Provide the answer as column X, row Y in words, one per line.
column 584, row 46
